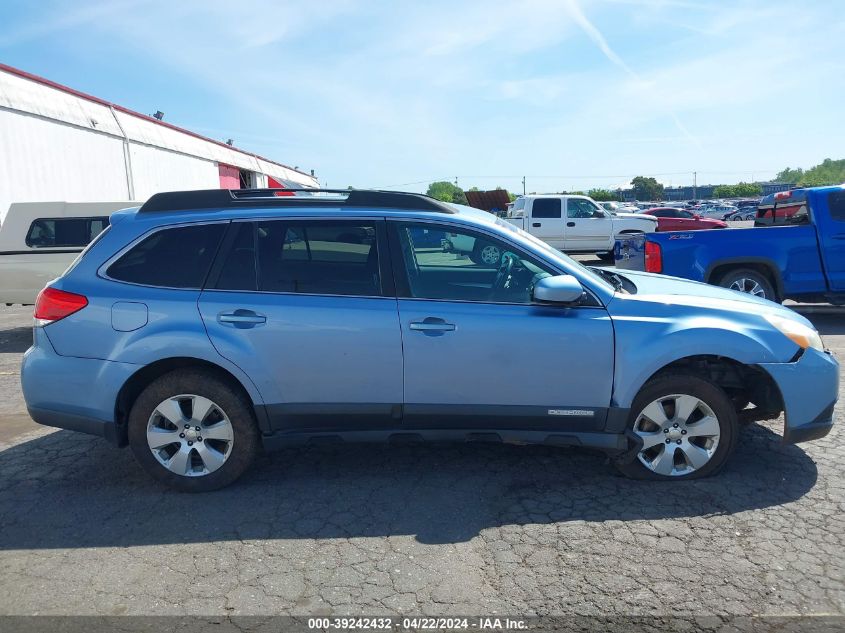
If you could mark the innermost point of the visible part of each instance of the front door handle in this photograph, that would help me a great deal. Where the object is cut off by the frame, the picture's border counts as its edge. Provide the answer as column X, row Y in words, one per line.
column 839, row 236
column 432, row 326
column 242, row 318
column 570, row 224
column 537, row 224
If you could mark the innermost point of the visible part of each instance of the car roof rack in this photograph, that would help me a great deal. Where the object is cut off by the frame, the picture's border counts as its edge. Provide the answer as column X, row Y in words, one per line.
column 205, row 199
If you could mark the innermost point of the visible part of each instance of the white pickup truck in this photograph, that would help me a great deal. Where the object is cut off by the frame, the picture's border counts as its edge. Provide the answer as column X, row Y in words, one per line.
column 576, row 224
column 38, row 240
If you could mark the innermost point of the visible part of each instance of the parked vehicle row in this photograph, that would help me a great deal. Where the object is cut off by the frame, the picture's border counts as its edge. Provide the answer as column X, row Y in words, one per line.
column 217, row 322
column 796, row 250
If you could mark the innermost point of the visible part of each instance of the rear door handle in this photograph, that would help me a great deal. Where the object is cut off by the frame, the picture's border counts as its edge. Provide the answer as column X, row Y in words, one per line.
column 570, row 224
column 432, row 326
column 242, row 318
column 537, row 224
column 839, row 236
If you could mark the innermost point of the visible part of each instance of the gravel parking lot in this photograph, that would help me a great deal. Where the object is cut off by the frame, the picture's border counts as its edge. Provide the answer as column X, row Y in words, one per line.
column 463, row 529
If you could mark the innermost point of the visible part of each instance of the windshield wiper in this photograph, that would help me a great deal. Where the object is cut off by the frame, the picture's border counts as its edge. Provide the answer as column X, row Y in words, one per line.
column 614, row 279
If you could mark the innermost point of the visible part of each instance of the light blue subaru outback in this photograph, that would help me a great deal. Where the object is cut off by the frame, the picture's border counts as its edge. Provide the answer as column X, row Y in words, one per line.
column 207, row 324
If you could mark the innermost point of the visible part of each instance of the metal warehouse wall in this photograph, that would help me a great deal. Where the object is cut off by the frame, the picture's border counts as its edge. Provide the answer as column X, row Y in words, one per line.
column 157, row 170
column 40, row 160
column 58, row 144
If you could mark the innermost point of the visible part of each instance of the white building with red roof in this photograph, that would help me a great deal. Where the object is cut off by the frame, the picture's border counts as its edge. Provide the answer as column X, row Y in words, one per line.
column 57, row 143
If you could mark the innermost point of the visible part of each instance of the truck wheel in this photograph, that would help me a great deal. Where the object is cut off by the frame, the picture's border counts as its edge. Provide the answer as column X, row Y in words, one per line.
column 749, row 281
column 191, row 430
column 688, row 427
column 486, row 255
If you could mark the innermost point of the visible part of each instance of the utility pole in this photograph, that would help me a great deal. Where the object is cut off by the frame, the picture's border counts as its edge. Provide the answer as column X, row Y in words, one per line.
column 695, row 185
column 523, row 185
column 456, row 181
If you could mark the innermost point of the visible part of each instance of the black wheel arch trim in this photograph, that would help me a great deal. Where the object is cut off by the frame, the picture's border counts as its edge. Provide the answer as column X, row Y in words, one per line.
column 738, row 262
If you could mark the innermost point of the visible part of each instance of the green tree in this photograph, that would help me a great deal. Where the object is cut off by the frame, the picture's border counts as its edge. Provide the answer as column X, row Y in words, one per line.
column 739, row 190
column 828, row 172
column 647, row 188
column 603, row 195
column 447, row 192
column 790, row 176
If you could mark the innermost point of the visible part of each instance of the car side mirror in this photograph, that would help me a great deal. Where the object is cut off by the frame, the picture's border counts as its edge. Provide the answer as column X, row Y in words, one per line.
column 599, row 214
column 562, row 289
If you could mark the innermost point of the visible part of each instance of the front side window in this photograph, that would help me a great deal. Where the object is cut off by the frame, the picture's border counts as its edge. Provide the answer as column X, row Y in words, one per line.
column 332, row 258
column 580, row 208
column 64, row 232
column 470, row 266
column 178, row 257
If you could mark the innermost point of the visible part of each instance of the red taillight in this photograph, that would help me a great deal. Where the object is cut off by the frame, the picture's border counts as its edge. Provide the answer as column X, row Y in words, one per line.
column 653, row 258
column 53, row 304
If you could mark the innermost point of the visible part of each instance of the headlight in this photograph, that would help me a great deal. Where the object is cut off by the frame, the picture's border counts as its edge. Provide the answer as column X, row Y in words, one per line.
column 796, row 332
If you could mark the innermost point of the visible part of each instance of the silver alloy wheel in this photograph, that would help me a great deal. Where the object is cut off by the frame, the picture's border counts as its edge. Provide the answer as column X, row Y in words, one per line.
column 491, row 255
column 680, row 434
column 190, row 435
column 744, row 284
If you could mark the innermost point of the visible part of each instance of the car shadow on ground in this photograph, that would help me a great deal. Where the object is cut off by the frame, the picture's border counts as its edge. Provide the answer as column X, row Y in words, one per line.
column 15, row 340
column 828, row 324
column 67, row 490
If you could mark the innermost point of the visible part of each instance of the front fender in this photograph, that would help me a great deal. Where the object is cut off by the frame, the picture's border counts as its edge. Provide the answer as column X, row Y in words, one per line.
column 645, row 345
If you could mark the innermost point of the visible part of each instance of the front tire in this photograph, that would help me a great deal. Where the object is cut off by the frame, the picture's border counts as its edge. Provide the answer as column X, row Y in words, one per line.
column 193, row 431
column 688, row 428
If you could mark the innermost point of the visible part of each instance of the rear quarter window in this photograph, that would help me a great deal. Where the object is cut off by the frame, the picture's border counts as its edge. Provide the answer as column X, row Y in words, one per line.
column 177, row 257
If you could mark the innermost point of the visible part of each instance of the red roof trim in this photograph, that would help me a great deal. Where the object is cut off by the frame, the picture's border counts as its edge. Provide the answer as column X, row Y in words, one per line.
column 82, row 95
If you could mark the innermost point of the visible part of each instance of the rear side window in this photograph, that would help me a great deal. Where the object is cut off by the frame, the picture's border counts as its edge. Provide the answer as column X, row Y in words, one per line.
column 173, row 258
column 330, row 258
column 546, row 208
column 66, row 232
column 238, row 270
column 836, row 202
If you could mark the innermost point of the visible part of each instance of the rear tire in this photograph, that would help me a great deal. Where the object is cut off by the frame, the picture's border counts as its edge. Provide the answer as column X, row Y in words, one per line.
column 749, row 281
column 167, row 423
column 695, row 436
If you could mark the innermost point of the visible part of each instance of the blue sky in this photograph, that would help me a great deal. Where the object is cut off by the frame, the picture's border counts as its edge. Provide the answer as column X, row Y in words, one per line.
column 571, row 94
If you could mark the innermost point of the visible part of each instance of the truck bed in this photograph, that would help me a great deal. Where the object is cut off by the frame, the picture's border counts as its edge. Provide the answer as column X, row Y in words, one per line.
column 789, row 253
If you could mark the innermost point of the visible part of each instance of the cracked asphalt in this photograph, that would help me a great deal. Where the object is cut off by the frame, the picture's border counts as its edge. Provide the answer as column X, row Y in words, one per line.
column 452, row 529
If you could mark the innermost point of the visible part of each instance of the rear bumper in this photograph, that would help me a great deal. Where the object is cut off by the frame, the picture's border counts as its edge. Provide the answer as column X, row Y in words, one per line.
column 71, row 422
column 809, row 388
column 72, row 393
